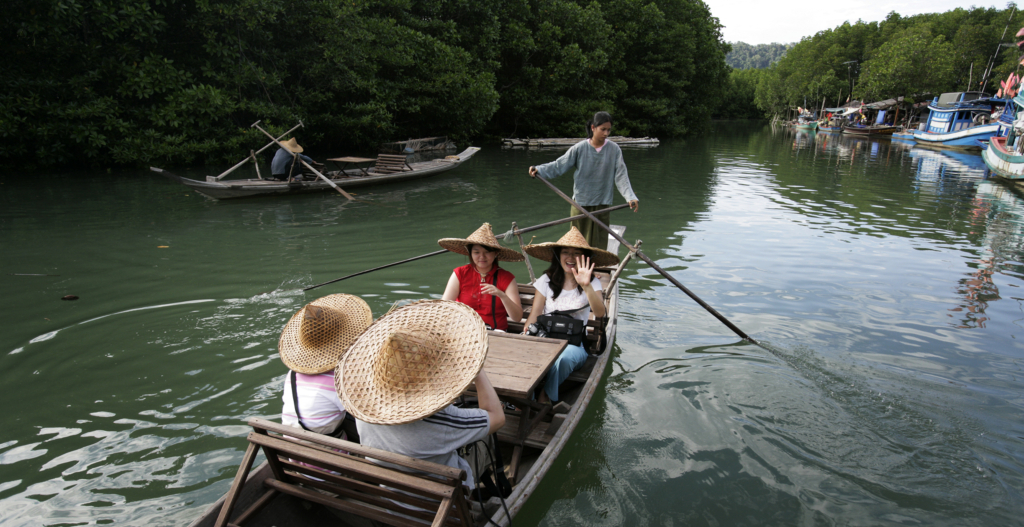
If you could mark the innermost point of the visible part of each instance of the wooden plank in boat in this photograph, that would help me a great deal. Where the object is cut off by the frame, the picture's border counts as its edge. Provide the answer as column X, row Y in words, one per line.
column 515, row 364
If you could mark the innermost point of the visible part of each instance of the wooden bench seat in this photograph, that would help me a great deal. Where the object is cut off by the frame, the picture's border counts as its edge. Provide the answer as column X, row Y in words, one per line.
column 390, row 163
column 349, row 481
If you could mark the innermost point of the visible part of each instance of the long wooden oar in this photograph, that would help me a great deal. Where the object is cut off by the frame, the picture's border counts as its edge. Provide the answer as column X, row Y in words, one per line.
column 252, row 155
column 655, row 266
column 305, row 164
column 442, row 251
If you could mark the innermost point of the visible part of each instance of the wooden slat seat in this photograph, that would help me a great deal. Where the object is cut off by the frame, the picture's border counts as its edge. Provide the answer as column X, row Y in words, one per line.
column 390, row 163
column 349, row 481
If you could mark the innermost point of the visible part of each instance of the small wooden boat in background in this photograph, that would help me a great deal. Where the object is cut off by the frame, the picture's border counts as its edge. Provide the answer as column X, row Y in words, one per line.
column 355, row 177
column 565, row 142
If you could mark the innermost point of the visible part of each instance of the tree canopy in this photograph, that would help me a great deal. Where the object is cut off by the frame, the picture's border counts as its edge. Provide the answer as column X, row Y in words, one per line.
column 746, row 56
column 137, row 82
column 916, row 56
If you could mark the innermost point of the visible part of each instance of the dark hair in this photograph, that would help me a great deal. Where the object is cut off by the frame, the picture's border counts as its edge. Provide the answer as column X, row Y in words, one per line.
column 556, row 275
column 599, row 119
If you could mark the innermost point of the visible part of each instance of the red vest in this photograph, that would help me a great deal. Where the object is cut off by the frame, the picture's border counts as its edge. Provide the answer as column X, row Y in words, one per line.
column 469, row 293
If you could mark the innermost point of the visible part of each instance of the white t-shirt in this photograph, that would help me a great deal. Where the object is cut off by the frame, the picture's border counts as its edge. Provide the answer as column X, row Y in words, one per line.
column 566, row 300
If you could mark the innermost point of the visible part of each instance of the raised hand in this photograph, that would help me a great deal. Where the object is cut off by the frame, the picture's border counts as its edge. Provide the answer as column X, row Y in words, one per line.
column 583, row 271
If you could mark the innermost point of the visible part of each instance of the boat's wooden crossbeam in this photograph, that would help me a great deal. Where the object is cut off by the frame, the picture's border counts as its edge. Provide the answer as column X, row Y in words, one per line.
column 304, row 463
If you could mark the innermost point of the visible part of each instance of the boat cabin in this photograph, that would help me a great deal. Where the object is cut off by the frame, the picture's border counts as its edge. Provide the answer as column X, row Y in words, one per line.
column 955, row 111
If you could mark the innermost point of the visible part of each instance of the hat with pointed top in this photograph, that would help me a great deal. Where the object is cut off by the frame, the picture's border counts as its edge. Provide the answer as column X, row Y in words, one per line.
column 574, row 238
column 412, row 362
column 316, row 337
column 482, row 236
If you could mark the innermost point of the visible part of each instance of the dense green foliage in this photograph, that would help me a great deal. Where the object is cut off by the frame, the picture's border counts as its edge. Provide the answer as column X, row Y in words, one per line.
column 914, row 57
column 179, row 81
column 746, row 56
column 738, row 101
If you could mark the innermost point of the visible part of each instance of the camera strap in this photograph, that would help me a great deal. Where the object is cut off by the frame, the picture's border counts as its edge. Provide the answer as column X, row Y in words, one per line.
column 494, row 303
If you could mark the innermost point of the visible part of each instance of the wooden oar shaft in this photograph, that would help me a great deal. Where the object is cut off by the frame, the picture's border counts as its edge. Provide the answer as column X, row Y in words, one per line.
column 563, row 220
column 253, row 156
column 653, row 265
column 305, row 164
column 420, row 257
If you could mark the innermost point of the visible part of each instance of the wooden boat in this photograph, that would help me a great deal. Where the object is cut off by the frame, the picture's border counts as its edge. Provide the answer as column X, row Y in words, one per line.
column 355, row 177
column 565, row 142
column 423, row 144
column 873, row 130
column 538, row 450
column 806, row 126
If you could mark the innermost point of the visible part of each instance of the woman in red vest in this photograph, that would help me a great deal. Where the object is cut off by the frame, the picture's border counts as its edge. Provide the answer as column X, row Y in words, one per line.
column 482, row 284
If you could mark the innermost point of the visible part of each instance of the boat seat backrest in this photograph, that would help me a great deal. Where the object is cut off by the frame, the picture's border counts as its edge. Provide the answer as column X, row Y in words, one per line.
column 344, row 476
column 390, row 163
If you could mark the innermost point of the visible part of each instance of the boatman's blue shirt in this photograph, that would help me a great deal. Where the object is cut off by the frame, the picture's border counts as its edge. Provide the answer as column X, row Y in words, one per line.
column 283, row 161
column 596, row 173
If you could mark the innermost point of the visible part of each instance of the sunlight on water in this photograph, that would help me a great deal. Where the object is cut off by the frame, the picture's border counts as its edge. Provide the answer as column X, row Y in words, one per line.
column 882, row 279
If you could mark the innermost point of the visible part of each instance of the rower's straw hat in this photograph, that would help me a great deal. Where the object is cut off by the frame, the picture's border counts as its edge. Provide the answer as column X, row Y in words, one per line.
column 412, row 362
column 573, row 238
column 292, row 145
column 316, row 337
column 482, row 236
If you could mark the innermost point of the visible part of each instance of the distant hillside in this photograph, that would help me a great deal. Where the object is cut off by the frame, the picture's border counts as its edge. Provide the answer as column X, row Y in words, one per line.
column 744, row 56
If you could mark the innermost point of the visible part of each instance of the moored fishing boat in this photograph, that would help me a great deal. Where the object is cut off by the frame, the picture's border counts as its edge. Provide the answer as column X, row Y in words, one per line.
column 355, row 177
column 872, row 130
column 964, row 120
column 533, row 439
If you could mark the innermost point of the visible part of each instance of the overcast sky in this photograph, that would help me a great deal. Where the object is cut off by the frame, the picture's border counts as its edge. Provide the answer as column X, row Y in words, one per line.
column 764, row 21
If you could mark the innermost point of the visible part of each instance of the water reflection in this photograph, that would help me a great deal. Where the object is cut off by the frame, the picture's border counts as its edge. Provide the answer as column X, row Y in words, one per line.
column 882, row 276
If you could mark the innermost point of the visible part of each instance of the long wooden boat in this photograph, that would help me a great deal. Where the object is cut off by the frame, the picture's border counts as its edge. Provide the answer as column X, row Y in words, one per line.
column 873, row 130
column 355, row 177
column 539, row 450
column 1002, row 161
column 565, row 142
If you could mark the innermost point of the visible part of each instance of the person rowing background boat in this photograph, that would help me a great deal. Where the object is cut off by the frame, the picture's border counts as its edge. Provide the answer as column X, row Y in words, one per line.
column 284, row 164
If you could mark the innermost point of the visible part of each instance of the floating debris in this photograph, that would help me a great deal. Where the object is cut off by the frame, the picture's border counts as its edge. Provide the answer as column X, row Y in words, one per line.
column 69, row 297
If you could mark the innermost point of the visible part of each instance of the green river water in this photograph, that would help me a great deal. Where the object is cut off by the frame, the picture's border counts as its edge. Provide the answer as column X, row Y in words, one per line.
column 884, row 278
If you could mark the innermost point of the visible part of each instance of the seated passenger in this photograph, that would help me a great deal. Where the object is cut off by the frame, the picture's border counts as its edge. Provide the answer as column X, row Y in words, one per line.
column 480, row 284
column 285, row 165
column 311, row 345
column 400, row 378
column 567, row 284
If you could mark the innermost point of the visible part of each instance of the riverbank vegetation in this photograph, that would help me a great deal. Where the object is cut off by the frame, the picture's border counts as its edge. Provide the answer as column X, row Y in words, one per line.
column 137, row 82
column 914, row 57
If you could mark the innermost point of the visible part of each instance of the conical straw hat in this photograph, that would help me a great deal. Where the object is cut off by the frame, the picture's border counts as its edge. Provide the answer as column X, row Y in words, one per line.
column 573, row 238
column 482, row 236
column 412, row 363
column 292, row 145
column 317, row 335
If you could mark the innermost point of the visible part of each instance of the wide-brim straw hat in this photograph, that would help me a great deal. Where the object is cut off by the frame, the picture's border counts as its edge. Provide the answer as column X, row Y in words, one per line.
column 292, row 145
column 574, row 238
column 412, row 362
column 482, row 236
column 319, row 334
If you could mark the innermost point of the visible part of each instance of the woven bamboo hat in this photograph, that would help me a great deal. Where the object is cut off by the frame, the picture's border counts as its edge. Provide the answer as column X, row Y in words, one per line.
column 412, row 362
column 573, row 238
column 482, row 236
column 317, row 335
column 292, row 145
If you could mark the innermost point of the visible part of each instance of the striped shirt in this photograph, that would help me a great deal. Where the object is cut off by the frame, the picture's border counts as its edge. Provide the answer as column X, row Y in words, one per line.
column 434, row 438
column 321, row 409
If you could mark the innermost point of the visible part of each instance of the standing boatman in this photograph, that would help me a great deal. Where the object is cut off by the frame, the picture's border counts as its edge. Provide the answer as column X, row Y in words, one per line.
column 599, row 165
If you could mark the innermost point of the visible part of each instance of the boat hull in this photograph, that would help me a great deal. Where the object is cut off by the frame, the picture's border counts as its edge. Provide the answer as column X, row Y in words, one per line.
column 870, row 130
column 245, row 188
column 830, row 129
column 973, row 138
column 1002, row 162
column 806, row 127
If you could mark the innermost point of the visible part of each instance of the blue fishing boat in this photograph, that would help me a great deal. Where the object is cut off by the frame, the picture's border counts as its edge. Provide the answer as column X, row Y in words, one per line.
column 964, row 120
column 1004, row 155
